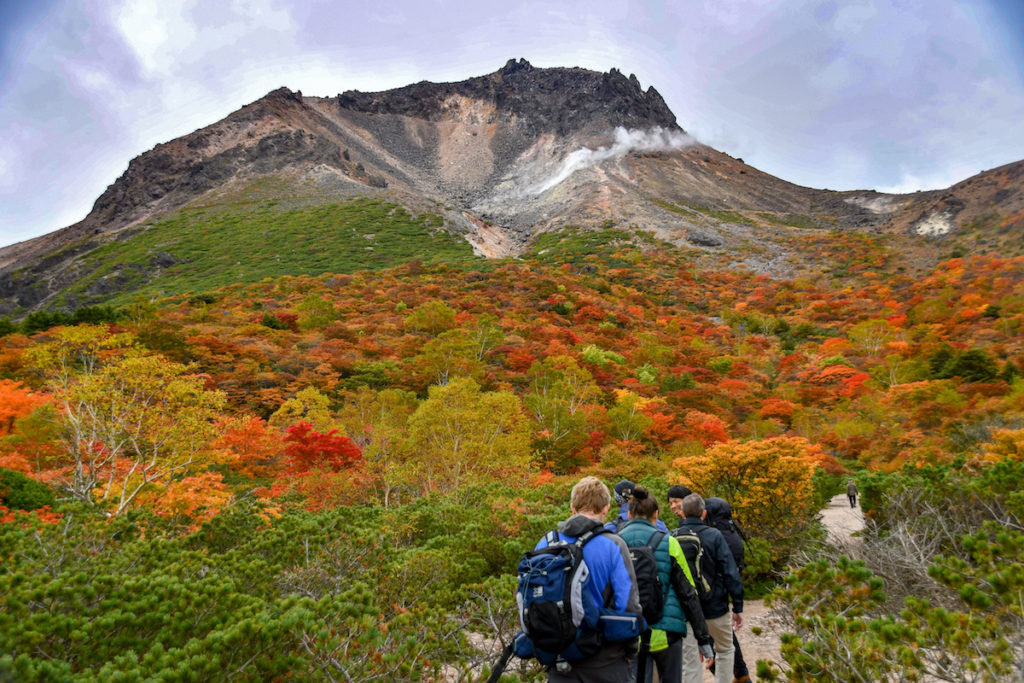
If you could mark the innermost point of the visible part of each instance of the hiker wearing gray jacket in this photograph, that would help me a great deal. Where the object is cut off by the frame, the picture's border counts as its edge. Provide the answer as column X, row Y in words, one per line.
column 727, row 587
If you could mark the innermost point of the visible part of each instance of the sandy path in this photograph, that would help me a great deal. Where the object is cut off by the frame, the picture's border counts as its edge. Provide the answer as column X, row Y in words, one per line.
column 841, row 521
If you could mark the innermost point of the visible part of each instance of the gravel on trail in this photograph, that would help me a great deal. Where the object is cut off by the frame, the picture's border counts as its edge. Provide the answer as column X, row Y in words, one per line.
column 841, row 521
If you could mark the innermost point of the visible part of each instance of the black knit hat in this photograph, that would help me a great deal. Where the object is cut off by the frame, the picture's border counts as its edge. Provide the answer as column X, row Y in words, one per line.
column 678, row 491
column 623, row 490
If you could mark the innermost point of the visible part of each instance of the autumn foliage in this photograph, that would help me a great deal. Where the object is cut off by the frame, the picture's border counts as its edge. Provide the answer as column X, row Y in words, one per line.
column 361, row 408
column 16, row 401
column 767, row 482
column 307, row 450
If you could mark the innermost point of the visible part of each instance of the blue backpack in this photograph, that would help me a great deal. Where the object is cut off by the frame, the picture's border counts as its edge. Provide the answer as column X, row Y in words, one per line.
column 557, row 611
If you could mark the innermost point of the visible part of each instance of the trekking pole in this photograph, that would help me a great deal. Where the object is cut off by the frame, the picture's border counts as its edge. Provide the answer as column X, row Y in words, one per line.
column 499, row 668
column 642, row 656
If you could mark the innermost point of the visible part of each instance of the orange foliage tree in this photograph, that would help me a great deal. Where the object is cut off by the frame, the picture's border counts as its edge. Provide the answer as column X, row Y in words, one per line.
column 767, row 482
column 193, row 499
column 251, row 447
column 15, row 402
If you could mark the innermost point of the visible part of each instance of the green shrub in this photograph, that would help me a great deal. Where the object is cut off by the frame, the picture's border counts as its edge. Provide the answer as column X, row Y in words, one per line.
column 356, row 592
column 273, row 322
column 677, row 382
column 18, row 492
column 720, row 365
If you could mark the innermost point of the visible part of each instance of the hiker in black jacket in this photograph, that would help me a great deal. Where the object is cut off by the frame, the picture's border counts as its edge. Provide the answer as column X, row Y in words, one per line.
column 726, row 587
column 719, row 516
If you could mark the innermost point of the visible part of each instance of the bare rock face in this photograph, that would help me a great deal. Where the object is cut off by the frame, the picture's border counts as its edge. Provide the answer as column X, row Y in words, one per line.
column 557, row 101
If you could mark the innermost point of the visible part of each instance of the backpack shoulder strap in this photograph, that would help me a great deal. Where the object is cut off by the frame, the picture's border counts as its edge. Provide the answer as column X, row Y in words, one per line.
column 685, row 530
column 653, row 542
column 552, row 537
column 583, row 539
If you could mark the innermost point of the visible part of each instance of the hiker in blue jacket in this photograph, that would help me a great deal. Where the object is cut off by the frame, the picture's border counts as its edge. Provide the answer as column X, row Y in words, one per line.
column 612, row 580
column 623, row 493
column 727, row 586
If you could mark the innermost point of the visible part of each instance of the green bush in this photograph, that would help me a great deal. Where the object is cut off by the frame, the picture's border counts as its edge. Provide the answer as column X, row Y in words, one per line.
column 826, row 486
column 353, row 593
column 18, row 492
column 720, row 365
column 273, row 322
column 938, row 590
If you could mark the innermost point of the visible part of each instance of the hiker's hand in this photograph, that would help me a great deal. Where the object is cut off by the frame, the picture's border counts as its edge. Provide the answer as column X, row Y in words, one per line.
column 707, row 655
column 737, row 621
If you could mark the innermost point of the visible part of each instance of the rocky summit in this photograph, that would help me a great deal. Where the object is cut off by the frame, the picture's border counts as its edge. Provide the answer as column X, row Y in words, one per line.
column 497, row 160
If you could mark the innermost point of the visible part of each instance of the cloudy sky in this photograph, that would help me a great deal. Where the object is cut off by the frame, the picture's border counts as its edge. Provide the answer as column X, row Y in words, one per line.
column 894, row 95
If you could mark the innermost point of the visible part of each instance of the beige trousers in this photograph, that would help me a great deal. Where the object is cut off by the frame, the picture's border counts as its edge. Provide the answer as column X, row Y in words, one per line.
column 725, row 652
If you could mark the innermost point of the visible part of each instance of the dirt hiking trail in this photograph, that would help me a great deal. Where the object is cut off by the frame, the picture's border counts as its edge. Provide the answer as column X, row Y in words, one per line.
column 841, row 521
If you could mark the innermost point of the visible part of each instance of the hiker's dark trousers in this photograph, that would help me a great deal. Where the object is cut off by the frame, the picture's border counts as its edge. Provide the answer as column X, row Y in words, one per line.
column 853, row 499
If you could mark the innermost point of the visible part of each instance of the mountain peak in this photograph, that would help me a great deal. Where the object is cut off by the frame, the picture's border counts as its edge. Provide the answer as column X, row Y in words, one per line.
column 284, row 93
column 501, row 158
column 556, row 100
column 512, row 66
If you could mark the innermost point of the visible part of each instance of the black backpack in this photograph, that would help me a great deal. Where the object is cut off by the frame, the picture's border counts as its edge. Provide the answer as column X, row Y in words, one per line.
column 648, row 583
column 734, row 538
column 702, row 565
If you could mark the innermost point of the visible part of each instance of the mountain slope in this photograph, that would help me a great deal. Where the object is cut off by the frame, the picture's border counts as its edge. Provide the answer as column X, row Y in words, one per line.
column 497, row 159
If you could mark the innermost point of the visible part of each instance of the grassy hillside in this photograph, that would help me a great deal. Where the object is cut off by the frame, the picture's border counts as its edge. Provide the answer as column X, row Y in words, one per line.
column 199, row 250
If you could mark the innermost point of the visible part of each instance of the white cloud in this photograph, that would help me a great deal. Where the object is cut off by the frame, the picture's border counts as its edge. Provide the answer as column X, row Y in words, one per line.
column 169, row 37
column 145, row 26
column 853, row 18
column 939, row 179
column 89, row 78
column 8, row 161
column 15, row 139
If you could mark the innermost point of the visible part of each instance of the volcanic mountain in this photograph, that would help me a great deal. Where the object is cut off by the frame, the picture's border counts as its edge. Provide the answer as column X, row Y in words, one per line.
column 495, row 161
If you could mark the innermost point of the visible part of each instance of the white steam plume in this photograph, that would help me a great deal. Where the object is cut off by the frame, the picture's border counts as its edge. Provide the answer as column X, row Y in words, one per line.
column 654, row 140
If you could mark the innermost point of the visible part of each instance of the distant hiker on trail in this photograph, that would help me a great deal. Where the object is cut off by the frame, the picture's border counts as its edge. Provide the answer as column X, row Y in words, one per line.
column 719, row 516
column 664, row 643
column 717, row 568
column 609, row 583
column 623, row 491
column 851, row 493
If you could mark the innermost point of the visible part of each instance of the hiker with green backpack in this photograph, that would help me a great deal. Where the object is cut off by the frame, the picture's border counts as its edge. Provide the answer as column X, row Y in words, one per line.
column 666, row 593
column 718, row 583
